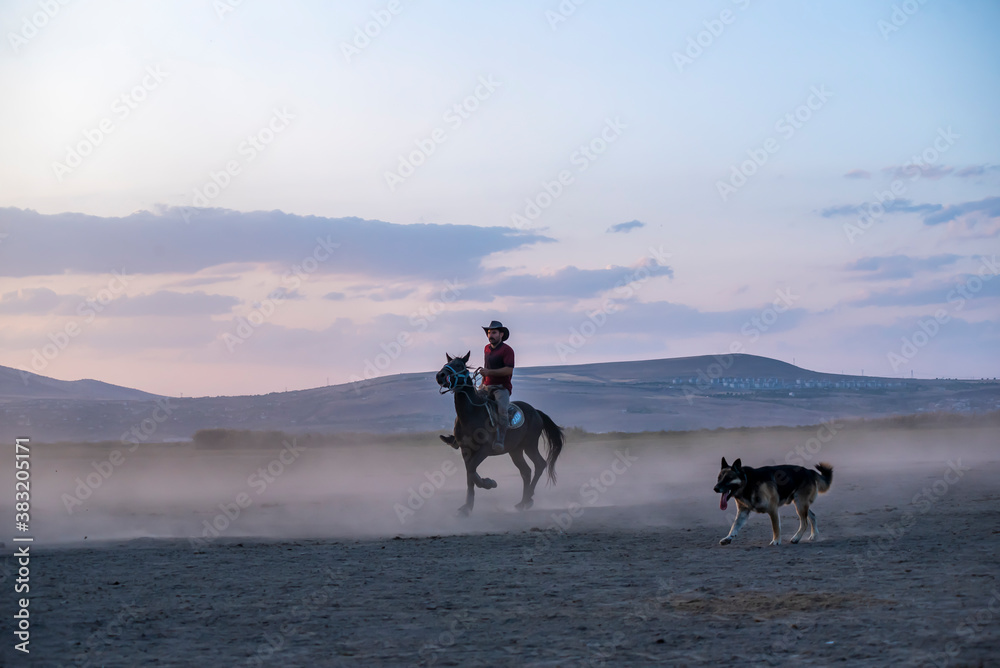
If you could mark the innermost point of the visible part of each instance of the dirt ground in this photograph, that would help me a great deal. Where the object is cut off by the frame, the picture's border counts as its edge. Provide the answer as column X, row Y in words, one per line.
column 617, row 565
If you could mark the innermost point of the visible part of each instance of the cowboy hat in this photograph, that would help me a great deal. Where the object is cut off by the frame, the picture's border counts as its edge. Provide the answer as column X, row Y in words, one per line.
column 496, row 324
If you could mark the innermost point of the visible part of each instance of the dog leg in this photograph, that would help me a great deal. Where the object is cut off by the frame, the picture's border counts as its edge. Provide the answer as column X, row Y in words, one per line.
column 741, row 519
column 814, row 531
column 803, row 511
column 775, row 526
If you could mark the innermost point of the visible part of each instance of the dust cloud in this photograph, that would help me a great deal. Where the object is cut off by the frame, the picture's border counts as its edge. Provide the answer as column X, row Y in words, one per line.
column 413, row 486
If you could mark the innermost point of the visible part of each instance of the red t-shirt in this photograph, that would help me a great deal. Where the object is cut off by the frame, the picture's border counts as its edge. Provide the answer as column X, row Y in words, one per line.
column 498, row 358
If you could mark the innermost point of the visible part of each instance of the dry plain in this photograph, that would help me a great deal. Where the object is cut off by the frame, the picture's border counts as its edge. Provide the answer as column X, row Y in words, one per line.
column 351, row 554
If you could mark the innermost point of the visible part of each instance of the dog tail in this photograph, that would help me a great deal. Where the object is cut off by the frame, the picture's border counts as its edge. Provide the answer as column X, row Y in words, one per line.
column 825, row 476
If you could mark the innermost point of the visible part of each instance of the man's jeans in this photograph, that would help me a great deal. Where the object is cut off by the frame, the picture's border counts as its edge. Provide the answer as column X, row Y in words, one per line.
column 502, row 398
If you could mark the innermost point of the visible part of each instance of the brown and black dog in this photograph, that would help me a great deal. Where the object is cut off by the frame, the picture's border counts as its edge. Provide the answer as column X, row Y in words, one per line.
column 767, row 488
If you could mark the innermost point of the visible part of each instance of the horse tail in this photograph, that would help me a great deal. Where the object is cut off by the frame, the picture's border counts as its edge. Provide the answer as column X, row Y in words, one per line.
column 554, row 435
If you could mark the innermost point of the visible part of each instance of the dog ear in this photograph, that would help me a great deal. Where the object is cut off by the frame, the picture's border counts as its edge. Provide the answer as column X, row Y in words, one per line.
column 737, row 465
column 724, row 464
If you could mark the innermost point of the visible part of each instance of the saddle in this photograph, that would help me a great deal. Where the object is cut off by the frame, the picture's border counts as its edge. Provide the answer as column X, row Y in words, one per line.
column 515, row 416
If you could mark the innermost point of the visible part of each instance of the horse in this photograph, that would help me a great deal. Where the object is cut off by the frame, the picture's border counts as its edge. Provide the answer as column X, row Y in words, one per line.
column 474, row 431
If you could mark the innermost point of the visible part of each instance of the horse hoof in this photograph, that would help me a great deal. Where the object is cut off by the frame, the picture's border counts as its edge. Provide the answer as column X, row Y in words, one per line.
column 489, row 483
column 464, row 511
column 525, row 505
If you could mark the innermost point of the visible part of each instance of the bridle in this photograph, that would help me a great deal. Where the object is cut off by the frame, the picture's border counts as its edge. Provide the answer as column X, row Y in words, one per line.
column 459, row 379
column 455, row 377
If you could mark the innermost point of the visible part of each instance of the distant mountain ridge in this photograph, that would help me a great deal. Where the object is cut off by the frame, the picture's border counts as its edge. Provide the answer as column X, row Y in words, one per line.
column 702, row 367
column 703, row 392
column 20, row 384
column 15, row 383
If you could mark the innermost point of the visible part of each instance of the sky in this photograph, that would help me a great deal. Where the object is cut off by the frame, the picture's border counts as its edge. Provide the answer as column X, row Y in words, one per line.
column 219, row 197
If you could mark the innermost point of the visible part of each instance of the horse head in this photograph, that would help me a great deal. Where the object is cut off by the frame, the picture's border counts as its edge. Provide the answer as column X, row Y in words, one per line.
column 454, row 374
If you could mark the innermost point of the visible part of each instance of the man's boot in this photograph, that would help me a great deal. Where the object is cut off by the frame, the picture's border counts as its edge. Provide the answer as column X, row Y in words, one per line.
column 501, row 433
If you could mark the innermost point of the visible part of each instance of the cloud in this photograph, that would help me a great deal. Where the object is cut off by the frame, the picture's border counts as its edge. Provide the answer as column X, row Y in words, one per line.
column 952, row 291
column 933, row 214
column 900, row 266
column 390, row 293
column 168, row 303
column 36, row 300
column 910, row 171
column 665, row 320
column 160, row 303
column 200, row 281
column 135, row 337
column 568, row 283
column 284, row 294
column 890, row 206
column 989, row 207
column 626, row 227
column 840, row 210
column 377, row 292
column 162, row 242
column 906, row 206
column 976, row 170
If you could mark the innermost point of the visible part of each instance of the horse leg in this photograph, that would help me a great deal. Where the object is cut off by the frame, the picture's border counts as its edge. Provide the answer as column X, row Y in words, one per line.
column 483, row 439
column 518, row 458
column 473, row 458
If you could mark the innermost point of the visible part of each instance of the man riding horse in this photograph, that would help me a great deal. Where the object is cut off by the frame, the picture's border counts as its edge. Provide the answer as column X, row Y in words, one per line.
column 498, row 367
column 475, row 421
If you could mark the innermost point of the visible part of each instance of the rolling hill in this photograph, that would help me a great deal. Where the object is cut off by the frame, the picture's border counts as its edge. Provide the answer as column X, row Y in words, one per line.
column 703, row 392
column 16, row 384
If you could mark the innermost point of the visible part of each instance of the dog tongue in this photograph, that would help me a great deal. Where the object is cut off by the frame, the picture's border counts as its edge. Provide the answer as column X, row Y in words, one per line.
column 723, row 504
